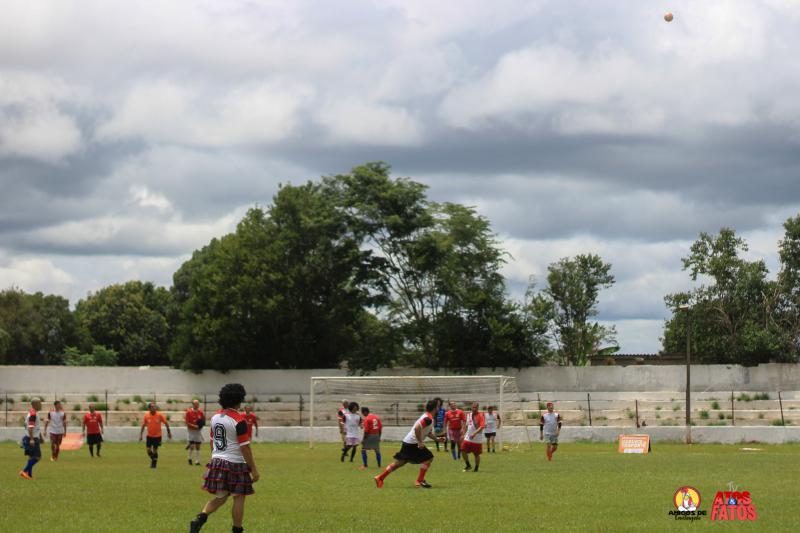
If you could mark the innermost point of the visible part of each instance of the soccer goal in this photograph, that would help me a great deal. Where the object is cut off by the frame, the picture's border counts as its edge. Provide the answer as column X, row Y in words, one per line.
column 399, row 400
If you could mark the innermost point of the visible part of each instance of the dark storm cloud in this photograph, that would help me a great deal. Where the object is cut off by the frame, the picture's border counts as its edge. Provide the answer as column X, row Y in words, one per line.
column 133, row 136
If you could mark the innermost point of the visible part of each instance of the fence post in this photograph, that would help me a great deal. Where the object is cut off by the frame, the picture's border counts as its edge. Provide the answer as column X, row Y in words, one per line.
column 5, row 403
column 106, row 407
column 301, row 410
column 205, row 404
column 636, row 403
column 733, row 411
column 780, row 402
column 589, row 401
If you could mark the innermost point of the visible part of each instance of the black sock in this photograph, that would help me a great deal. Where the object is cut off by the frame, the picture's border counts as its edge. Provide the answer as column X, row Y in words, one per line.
column 353, row 453
column 91, row 450
column 235, row 529
column 468, row 465
column 202, row 517
column 98, row 450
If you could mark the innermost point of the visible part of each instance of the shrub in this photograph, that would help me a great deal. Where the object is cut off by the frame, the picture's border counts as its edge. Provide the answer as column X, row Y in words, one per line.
column 658, row 407
column 704, row 415
column 776, row 422
column 761, row 396
column 542, row 406
column 137, row 398
column 92, row 398
column 101, row 406
column 126, row 401
column 721, row 416
column 76, row 407
column 253, row 399
column 744, row 397
column 532, row 416
column 761, row 416
column 720, row 423
column 277, row 399
column 715, row 405
column 24, row 399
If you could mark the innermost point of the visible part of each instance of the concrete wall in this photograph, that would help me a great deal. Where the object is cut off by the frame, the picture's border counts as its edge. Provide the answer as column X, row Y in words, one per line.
column 162, row 380
column 724, row 435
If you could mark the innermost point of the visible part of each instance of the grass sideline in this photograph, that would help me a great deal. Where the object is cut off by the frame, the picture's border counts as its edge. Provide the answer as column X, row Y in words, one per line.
column 588, row 487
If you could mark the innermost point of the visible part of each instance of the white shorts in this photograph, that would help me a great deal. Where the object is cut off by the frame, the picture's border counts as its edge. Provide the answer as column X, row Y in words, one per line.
column 352, row 441
column 194, row 435
column 551, row 438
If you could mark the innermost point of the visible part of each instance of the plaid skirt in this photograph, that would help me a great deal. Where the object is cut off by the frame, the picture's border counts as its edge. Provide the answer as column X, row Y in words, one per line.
column 222, row 475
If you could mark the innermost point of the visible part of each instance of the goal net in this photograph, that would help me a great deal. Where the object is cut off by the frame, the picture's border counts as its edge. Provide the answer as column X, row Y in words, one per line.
column 399, row 400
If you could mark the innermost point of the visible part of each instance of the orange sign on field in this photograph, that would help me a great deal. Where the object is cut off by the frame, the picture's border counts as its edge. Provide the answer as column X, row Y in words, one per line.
column 634, row 444
column 72, row 441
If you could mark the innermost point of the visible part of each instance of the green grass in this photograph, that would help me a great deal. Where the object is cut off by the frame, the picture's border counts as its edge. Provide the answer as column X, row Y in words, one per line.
column 588, row 487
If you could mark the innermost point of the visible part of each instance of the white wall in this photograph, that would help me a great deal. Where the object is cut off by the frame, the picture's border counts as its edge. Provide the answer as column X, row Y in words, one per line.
column 162, row 380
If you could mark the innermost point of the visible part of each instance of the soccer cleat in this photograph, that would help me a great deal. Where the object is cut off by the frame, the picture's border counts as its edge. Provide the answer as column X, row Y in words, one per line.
column 467, row 468
column 378, row 482
column 362, row 467
column 152, row 464
column 197, row 464
column 25, row 475
column 190, row 462
column 195, row 525
column 424, row 484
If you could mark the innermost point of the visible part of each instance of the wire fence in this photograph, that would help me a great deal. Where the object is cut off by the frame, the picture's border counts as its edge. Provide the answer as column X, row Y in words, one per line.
column 730, row 408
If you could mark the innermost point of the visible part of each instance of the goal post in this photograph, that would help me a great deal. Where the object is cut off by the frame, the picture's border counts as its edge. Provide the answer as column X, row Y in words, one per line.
column 399, row 400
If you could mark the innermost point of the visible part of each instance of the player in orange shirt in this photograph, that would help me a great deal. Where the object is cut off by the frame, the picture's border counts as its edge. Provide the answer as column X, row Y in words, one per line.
column 373, row 428
column 93, row 429
column 153, row 420
column 252, row 421
column 455, row 420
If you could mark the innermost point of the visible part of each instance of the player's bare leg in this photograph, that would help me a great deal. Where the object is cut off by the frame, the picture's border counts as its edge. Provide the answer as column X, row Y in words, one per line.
column 237, row 513
column 467, row 465
column 211, row 506
column 389, row 469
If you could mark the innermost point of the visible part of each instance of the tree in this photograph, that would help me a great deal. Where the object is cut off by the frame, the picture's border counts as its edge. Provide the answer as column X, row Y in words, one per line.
column 287, row 290
column 567, row 304
column 130, row 319
column 439, row 272
column 732, row 313
column 38, row 327
column 787, row 307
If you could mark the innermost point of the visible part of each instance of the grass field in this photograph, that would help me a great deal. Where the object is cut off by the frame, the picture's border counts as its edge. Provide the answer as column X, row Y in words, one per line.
column 588, row 487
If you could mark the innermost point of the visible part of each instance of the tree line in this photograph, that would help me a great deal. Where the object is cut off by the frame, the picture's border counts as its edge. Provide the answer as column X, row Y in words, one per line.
column 360, row 270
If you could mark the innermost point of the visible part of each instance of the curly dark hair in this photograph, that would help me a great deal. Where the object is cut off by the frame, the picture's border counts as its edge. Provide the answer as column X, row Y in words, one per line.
column 231, row 395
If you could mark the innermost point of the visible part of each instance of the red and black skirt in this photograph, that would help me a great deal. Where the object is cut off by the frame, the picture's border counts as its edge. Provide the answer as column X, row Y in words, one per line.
column 229, row 477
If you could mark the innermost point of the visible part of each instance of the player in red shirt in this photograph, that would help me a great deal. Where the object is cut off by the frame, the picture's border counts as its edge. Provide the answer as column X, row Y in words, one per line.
column 252, row 421
column 455, row 420
column 373, row 428
column 93, row 429
column 195, row 419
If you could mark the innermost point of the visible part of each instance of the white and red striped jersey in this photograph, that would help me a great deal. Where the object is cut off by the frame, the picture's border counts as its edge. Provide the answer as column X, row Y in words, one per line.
column 426, row 423
column 550, row 422
column 228, row 430
column 473, row 424
column 34, row 421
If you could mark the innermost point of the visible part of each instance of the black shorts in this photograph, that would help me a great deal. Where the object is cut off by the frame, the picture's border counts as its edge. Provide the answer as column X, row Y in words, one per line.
column 32, row 447
column 94, row 438
column 490, row 435
column 413, row 454
column 153, row 442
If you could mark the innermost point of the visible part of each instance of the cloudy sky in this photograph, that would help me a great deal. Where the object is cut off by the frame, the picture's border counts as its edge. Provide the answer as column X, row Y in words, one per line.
column 132, row 133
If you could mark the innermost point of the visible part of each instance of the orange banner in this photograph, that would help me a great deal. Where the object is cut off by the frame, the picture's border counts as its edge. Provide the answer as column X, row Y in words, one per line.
column 72, row 441
column 634, row 444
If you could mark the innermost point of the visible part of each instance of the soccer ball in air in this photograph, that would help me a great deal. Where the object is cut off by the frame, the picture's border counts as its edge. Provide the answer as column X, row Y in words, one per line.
column 668, row 17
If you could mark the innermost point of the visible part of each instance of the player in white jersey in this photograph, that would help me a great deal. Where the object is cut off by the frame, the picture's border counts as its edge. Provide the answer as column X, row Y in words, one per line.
column 473, row 437
column 413, row 449
column 549, row 429
column 352, row 431
column 33, row 438
column 232, row 470
column 57, row 423
column 493, row 423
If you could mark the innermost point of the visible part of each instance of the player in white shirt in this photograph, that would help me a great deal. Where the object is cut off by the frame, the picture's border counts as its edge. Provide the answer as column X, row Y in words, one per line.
column 33, row 438
column 549, row 429
column 493, row 423
column 232, row 470
column 413, row 449
column 473, row 437
column 352, row 431
column 57, row 423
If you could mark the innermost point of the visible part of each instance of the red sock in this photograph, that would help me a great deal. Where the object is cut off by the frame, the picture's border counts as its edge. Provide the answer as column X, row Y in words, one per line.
column 386, row 472
column 423, row 468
